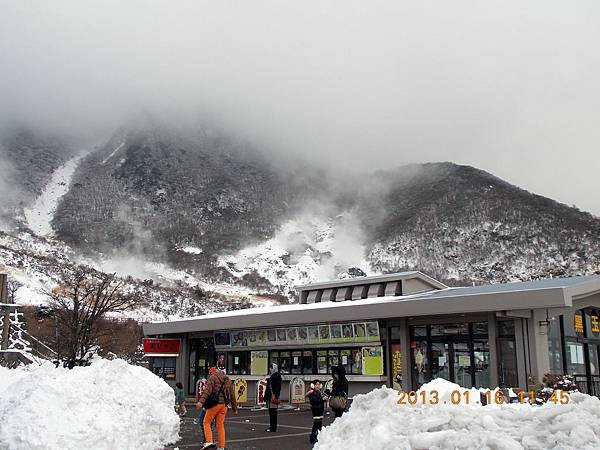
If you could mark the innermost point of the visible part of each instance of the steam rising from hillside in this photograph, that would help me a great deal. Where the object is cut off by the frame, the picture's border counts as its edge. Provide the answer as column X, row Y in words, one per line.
column 507, row 86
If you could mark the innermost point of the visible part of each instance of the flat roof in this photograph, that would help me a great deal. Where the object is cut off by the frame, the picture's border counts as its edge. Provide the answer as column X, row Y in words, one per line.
column 546, row 293
column 374, row 279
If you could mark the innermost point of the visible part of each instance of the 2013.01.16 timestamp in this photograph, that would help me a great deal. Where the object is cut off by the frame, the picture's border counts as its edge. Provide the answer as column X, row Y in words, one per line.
column 465, row 397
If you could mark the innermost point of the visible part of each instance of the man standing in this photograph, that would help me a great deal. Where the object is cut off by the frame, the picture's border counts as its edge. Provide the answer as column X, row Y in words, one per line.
column 272, row 394
column 217, row 394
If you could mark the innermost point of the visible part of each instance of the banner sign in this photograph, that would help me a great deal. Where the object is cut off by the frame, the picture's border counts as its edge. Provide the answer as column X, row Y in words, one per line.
column 161, row 347
column 297, row 391
column 300, row 335
column 241, row 390
column 261, row 386
column 259, row 363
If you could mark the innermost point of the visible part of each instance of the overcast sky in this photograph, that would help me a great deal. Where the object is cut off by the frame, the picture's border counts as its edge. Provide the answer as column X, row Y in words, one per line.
column 508, row 86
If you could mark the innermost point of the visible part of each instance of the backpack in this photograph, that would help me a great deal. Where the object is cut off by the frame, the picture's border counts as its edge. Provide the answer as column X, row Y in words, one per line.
column 213, row 399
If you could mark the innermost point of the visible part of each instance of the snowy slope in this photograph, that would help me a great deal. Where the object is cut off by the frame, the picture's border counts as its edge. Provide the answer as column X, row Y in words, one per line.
column 40, row 214
column 303, row 250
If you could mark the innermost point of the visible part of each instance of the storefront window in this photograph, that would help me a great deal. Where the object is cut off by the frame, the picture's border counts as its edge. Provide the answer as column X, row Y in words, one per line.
column 481, row 356
column 356, row 361
column 594, row 367
column 555, row 346
column 334, row 359
column 575, row 360
column 420, row 363
column 284, row 362
column 480, row 328
column 346, row 360
column 296, row 362
column 322, row 361
column 506, row 328
column 239, row 363
column 273, row 358
column 307, row 362
column 440, row 362
column 164, row 368
column 508, row 363
column 420, row 331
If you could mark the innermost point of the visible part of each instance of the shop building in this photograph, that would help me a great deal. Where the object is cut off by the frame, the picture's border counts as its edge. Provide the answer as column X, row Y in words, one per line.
column 401, row 330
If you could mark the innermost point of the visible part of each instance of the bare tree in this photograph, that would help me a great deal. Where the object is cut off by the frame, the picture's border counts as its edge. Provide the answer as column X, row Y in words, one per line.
column 81, row 304
column 12, row 286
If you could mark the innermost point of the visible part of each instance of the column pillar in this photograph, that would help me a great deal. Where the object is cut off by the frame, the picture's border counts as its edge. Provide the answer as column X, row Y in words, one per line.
column 493, row 345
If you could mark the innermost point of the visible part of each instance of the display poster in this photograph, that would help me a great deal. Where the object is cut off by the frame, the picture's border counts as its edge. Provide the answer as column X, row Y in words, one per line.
column 310, row 334
column 313, row 335
column 261, row 386
column 259, row 363
column 347, row 332
column 595, row 322
column 336, row 332
column 372, row 360
column 302, row 335
column 221, row 358
column 578, row 323
column 372, row 331
column 396, row 366
column 360, row 331
column 297, row 391
column 241, row 390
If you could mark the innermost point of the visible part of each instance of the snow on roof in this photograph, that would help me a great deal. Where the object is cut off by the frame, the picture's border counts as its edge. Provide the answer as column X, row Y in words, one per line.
column 447, row 293
column 371, row 280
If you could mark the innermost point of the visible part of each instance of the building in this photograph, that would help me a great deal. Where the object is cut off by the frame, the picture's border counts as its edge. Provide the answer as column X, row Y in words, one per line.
column 402, row 330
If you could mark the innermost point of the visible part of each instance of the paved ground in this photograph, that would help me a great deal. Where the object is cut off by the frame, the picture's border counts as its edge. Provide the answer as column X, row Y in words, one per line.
column 247, row 430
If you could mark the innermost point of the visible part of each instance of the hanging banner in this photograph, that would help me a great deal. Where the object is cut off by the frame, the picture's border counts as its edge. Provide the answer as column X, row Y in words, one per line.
column 261, row 386
column 372, row 360
column 259, row 362
column 396, row 367
column 297, row 391
column 241, row 390
column 595, row 322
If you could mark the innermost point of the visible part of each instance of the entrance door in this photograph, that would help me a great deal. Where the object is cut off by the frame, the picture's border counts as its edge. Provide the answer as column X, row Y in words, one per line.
column 451, row 359
column 202, row 357
column 462, row 373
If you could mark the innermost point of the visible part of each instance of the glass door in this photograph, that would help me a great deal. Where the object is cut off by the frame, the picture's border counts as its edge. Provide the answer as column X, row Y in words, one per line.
column 440, row 360
column 461, row 370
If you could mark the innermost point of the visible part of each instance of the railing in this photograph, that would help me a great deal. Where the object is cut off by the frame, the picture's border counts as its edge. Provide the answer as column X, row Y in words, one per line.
column 589, row 386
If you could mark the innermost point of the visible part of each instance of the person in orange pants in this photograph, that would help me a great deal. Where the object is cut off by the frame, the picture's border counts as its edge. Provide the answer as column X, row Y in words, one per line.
column 216, row 412
column 217, row 394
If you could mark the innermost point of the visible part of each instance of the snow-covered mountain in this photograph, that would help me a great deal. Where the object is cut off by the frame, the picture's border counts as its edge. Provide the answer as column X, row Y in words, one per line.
column 201, row 214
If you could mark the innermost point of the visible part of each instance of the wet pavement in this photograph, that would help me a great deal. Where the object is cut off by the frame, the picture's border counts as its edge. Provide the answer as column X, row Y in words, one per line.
column 247, row 430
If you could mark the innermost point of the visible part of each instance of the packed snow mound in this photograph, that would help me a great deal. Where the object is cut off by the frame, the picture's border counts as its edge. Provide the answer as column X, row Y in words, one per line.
column 376, row 421
column 108, row 405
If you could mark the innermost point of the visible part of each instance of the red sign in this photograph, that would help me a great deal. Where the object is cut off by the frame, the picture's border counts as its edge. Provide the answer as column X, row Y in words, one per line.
column 161, row 346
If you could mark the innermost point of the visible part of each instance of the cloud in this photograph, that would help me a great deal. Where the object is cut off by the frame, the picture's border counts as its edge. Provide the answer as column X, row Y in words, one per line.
column 507, row 86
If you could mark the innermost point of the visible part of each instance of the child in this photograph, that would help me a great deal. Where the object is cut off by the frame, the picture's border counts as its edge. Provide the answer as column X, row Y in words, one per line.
column 180, row 399
column 317, row 406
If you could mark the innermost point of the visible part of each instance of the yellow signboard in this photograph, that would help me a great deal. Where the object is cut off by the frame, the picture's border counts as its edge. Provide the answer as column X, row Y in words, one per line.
column 241, row 390
column 259, row 362
column 372, row 360
column 578, row 323
column 595, row 322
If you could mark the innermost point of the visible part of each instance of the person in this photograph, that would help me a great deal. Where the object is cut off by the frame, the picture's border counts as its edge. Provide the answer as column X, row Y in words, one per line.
column 200, row 385
column 180, row 399
column 220, row 385
column 272, row 393
column 339, row 389
column 317, row 407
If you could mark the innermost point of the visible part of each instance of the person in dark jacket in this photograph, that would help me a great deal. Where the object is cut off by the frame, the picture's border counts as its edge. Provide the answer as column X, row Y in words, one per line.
column 272, row 393
column 317, row 407
column 339, row 388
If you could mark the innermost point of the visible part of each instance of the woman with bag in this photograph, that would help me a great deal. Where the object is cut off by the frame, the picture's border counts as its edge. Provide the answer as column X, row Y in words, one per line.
column 338, row 397
column 272, row 393
column 217, row 394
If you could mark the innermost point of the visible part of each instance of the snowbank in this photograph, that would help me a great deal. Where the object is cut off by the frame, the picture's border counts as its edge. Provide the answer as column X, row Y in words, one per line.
column 108, row 405
column 376, row 421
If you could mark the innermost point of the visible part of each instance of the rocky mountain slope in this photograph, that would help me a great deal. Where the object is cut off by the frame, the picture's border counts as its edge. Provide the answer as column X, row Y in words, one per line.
column 200, row 208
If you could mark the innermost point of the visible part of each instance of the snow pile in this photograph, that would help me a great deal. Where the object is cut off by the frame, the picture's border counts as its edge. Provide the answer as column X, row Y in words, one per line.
column 376, row 421
column 108, row 405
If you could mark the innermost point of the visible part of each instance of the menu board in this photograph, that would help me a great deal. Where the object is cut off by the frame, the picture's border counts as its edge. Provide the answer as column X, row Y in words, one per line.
column 300, row 335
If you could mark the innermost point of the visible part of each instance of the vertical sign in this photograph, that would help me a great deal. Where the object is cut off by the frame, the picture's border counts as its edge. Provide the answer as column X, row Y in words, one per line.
column 297, row 391
column 578, row 323
column 241, row 390
column 261, row 386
